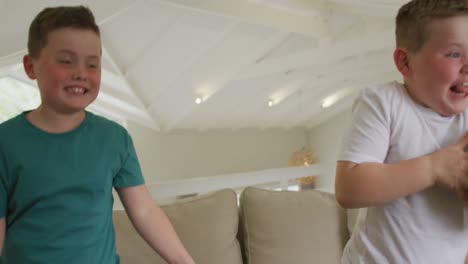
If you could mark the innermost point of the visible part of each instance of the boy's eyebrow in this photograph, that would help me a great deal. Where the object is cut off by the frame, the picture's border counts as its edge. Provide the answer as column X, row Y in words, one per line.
column 70, row 52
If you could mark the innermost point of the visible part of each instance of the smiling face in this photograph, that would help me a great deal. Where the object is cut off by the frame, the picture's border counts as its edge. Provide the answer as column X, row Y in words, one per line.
column 67, row 70
column 435, row 75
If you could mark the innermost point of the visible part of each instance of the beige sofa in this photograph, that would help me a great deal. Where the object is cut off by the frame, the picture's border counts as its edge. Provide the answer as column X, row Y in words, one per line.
column 269, row 227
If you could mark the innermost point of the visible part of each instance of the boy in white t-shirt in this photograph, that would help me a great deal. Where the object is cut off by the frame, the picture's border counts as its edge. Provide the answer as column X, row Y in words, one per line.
column 404, row 157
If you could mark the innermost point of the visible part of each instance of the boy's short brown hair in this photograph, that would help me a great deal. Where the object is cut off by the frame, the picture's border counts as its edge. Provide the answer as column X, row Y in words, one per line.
column 414, row 17
column 53, row 18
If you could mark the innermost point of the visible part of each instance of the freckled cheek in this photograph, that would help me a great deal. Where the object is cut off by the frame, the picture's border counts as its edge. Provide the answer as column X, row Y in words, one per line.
column 96, row 81
column 59, row 74
column 448, row 72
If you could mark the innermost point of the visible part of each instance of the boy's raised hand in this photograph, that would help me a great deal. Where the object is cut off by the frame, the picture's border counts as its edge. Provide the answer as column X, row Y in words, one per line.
column 450, row 167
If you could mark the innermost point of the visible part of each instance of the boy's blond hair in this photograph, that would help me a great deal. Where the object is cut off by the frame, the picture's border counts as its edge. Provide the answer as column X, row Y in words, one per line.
column 53, row 18
column 413, row 19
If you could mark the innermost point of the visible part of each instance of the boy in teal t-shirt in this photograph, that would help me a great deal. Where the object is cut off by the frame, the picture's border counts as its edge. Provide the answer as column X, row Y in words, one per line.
column 59, row 163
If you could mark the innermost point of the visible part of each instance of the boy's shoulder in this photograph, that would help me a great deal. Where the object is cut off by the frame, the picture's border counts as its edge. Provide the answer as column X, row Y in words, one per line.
column 389, row 93
column 11, row 125
column 105, row 124
column 388, row 89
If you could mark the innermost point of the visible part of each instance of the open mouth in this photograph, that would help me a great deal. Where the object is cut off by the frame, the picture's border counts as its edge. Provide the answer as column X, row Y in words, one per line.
column 76, row 90
column 460, row 89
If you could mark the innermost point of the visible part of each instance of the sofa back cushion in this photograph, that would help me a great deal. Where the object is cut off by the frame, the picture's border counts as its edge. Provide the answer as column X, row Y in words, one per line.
column 206, row 224
column 292, row 227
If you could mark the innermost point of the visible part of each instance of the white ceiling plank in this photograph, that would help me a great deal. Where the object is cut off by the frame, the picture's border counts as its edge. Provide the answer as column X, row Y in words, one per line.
column 190, row 62
column 332, row 53
column 167, row 27
column 266, row 45
column 124, row 80
column 118, row 12
column 118, row 84
column 249, row 11
column 310, row 88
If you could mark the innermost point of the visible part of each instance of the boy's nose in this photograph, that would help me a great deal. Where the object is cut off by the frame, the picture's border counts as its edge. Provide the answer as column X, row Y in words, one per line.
column 464, row 69
column 79, row 73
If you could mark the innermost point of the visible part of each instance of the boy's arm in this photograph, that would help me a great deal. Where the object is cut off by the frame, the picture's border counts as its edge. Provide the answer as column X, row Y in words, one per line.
column 153, row 225
column 2, row 233
column 368, row 184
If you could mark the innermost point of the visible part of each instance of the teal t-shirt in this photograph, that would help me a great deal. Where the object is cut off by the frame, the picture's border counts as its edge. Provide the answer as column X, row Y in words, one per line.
column 56, row 190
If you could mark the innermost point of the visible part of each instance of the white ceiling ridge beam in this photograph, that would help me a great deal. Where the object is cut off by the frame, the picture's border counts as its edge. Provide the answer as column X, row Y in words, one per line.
column 249, row 11
column 119, row 12
column 190, row 62
column 317, row 56
column 125, row 81
column 278, row 39
column 273, row 41
column 167, row 27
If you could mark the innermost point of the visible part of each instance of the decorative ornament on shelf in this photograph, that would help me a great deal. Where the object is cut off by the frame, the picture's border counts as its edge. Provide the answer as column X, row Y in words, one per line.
column 304, row 157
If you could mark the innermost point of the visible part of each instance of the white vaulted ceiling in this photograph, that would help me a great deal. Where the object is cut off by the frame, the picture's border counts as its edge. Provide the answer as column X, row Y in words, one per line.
column 235, row 55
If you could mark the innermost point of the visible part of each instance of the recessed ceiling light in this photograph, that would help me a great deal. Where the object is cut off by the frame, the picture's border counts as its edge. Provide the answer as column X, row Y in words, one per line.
column 198, row 100
column 270, row 103
column 329, row 101
column 332, row 99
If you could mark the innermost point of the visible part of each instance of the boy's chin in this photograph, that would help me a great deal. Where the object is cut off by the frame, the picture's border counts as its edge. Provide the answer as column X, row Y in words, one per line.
column 67, row 110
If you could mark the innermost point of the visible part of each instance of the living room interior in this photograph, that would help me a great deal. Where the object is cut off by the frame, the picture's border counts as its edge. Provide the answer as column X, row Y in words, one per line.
column 223, row 94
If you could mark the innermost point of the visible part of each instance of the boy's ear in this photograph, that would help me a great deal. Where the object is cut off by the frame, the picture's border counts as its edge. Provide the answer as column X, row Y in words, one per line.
column 29, row 66
column 401, row 59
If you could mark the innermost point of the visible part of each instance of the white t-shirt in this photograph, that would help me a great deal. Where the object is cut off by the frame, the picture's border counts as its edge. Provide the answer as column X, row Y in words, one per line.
column 425, row 227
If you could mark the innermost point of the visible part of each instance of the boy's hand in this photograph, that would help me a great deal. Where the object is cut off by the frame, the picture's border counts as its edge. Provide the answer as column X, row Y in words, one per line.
column 450, row 167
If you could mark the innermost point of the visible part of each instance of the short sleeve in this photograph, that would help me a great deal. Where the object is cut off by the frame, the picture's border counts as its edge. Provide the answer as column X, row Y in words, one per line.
column 3, row 186
column 130, row 173
column 369, row 137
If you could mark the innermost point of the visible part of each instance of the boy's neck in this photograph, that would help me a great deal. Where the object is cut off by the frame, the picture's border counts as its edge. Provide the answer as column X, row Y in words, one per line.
column 53, row 121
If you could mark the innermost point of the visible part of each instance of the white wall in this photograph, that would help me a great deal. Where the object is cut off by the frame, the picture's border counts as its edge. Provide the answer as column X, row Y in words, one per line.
column 325, row 140
column 190, row 153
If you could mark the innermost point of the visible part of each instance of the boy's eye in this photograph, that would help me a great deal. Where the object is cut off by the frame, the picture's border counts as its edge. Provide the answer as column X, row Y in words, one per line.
column 65, row 61
column 454, row 55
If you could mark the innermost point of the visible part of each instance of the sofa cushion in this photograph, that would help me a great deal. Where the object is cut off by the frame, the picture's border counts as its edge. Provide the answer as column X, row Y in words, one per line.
column 292, row 227
column 206, row 224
